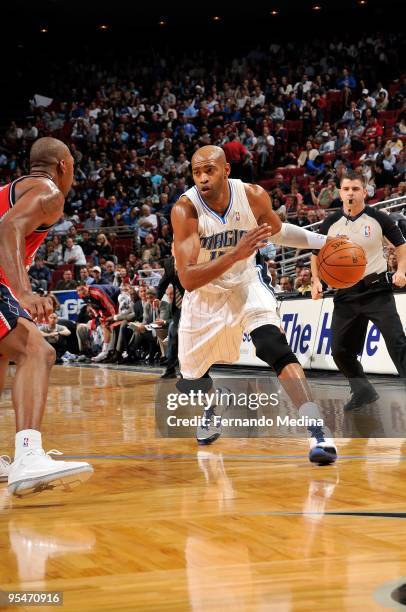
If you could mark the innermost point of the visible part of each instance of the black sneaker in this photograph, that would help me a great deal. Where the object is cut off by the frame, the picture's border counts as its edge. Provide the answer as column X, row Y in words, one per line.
column 361, row 398
column 169, row 374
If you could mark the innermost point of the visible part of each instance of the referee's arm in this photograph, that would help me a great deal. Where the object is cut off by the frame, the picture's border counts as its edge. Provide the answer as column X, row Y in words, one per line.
column 399, row 278
column 393, row 234
column 317, row 287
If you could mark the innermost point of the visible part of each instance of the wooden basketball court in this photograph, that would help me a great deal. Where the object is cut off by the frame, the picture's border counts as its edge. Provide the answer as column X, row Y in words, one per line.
column 166, row 525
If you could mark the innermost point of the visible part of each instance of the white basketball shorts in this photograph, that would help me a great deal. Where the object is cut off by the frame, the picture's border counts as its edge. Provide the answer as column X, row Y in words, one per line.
column 212, row 324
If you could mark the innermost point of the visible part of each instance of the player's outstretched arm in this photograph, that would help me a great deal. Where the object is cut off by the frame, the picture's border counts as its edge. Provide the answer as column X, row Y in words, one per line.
column 286, row 234
column 38, row 206
column 187, row 246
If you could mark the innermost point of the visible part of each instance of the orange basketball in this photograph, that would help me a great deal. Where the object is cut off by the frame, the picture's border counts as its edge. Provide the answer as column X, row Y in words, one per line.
column 341, row 263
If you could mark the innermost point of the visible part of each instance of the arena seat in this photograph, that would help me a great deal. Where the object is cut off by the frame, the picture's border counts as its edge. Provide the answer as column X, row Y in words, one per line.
column 393, row 89
column 333, row 96
column 267, row 184
column 329, row 157
column 388, row 116
column 122, row 248
column 379, row 194
column 288, row 173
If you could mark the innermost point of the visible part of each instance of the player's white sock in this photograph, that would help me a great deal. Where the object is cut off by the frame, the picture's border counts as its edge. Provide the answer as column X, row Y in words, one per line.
column 27, row 439
column 311, row 410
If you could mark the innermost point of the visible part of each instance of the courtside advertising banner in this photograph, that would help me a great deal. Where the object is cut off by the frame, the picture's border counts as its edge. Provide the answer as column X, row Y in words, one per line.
column 307, row 325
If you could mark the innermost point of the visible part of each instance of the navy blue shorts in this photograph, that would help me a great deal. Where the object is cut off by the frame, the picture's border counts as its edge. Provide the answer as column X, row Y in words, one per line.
column 10, row 310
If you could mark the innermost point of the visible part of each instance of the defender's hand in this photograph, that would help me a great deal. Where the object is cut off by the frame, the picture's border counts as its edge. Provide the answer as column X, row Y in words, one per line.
column 39, row 307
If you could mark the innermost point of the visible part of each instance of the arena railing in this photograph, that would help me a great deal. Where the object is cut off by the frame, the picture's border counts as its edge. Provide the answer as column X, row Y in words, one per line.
column 288, row 263
column 120, row 231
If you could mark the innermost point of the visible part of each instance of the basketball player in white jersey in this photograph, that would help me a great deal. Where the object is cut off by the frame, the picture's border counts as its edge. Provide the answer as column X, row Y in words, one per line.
column 219, row 224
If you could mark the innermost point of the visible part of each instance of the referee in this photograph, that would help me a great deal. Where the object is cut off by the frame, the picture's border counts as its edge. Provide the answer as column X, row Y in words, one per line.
column 371, row 299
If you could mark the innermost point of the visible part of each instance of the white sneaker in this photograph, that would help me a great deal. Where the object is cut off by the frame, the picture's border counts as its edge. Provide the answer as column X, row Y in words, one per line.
column 323, row 451
column 35, row 471
column 5, row 463
column 100, row 356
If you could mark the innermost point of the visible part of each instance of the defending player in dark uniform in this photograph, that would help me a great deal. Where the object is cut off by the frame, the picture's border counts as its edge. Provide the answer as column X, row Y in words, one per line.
column 371, row 299
column 29, row 207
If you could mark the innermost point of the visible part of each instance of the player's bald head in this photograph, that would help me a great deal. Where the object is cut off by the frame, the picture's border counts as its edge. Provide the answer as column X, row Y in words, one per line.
column 209, row 153
column 48, row 152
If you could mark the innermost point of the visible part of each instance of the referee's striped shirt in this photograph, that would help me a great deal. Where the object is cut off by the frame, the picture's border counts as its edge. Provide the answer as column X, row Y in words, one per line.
column 371, row 229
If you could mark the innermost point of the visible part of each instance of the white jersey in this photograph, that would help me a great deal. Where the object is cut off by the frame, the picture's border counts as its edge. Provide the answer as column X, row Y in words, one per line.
column 218, row 234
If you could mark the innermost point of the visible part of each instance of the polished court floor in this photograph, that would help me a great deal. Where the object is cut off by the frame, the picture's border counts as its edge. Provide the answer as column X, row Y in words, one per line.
column 163, row 525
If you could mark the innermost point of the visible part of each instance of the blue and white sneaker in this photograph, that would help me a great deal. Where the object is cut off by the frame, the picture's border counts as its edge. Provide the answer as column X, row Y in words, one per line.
column 210, row 429
column 323, row 451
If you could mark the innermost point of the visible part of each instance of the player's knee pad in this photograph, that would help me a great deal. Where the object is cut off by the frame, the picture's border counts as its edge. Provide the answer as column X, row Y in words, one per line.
column 272, row 347
column 204, row 384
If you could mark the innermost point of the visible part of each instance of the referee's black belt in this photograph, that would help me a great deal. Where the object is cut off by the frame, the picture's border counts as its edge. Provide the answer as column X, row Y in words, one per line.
column 383, row 280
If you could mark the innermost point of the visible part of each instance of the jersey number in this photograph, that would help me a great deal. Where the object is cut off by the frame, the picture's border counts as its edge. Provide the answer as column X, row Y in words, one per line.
column 216, row 254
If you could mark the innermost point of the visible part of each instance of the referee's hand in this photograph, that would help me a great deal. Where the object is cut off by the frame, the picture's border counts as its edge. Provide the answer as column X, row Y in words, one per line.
column 399, row 279
column 317, row 290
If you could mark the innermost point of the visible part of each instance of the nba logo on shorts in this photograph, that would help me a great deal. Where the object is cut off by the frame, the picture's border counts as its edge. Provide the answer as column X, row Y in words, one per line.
column 367, row 231
column 25, row 443
column 237, row 215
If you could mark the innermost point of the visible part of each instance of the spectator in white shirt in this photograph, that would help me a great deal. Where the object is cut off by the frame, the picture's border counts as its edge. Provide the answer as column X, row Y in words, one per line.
column 328, row 143
column 371, row 153
column 74, row 254
column 305, row 83
column 389, row 160
column 276, row 112
column 148, row 222
column 30, row 132
column 258, row 98
column 285, row 87
column 264, row 146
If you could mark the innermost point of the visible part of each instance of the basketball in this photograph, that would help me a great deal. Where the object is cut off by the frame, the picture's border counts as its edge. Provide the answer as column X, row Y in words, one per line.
column 341, row 263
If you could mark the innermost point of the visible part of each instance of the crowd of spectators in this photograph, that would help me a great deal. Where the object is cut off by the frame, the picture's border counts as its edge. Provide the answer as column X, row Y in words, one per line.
column 292, row 117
